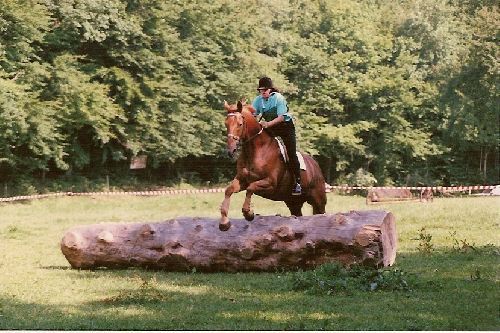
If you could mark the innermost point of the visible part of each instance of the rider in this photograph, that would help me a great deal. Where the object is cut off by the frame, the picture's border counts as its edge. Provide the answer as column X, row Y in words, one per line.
column 274, row 109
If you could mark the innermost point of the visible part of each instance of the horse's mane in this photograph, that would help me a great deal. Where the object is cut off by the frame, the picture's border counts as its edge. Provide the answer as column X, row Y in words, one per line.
column 248, row 108
column 248, row 113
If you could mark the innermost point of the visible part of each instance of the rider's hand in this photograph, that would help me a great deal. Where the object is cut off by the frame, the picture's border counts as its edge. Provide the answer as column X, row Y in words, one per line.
column 264, row 124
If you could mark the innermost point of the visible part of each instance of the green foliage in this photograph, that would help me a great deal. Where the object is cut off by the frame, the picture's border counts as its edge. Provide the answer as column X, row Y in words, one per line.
column 470, row 98
column 425, row 241
column 22, row 28
column 360, row 178
column 361, row 78
column 397, row 89
column 461, row 245
column 29, row 137
column 333, row 278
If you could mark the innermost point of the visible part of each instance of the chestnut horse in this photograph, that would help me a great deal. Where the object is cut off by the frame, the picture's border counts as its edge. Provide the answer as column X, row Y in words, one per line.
column 261, row 170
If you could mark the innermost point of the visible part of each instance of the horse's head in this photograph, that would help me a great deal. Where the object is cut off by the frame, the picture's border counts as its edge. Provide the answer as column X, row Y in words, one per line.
column 235, row 125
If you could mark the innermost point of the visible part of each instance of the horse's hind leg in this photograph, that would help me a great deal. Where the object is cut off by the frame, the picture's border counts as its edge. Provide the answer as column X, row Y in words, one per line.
column 317, row 200
column 318, row 209
column 295, row 207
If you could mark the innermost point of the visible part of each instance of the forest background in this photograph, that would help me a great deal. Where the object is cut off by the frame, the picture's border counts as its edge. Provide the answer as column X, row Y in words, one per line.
column 401, row 92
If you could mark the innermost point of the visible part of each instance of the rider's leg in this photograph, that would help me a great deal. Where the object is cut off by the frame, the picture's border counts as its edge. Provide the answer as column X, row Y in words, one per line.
column 288, row 137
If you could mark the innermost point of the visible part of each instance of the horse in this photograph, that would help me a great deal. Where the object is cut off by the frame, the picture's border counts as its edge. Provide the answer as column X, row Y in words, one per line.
column 260, row 169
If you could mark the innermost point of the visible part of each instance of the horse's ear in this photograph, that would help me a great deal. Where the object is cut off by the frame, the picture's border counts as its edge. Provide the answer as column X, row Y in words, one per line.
column 239, row 106
column 243, row 101
column 226, row 106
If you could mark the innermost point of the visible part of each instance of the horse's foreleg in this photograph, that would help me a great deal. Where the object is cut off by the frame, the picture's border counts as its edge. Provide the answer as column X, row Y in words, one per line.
column 246, row 210
column 260, row 185
column 234, row 187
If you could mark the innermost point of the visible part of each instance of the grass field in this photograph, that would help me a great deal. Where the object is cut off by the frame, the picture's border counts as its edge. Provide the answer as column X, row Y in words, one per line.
column 455, row 258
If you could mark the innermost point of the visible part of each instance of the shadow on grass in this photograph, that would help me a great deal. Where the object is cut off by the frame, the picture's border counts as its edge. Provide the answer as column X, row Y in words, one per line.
column 156, row 300
column 57, row 268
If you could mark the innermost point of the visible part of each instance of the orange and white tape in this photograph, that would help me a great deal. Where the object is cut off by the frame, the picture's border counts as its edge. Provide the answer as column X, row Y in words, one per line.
column 433, row 188
column 329, row 188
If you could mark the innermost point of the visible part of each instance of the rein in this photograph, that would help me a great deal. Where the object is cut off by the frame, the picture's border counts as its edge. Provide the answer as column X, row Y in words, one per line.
column 233, row 114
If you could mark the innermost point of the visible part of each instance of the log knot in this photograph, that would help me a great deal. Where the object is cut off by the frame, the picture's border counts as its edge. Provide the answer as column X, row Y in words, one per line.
column 174, row 244
column 147, row 231
column 105, row 237
column 286, row 234
column 247, row 253
column 73, row 241
column 340, row 219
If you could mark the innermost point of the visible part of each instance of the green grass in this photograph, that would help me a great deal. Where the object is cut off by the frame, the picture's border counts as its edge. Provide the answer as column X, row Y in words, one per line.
column 458, row 284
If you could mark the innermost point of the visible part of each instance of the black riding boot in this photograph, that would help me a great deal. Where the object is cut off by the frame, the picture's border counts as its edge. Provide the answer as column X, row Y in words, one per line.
column 297, row 189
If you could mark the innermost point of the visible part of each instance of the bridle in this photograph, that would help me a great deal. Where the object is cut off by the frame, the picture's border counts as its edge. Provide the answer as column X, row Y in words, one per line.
column 236, row 138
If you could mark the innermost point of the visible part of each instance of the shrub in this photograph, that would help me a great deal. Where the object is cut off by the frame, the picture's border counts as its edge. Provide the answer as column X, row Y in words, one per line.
column 333, row 278
column 425, row 242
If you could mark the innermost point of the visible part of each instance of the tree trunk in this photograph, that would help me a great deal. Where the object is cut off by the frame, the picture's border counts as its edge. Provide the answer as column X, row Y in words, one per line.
column 481, row 160
column 485, row 174
column 328, row 169
column 266, row 244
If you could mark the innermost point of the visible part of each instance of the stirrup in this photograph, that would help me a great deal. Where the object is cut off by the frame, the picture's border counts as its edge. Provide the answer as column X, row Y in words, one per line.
column 297, row 190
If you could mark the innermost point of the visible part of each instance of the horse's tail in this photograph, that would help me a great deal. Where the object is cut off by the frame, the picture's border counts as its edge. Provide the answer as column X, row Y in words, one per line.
column 316, row 185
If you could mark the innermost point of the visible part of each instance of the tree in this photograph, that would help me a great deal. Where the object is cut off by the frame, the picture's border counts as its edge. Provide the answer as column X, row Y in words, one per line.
column 360, row 77
column 471, row 100
column 29, row 138
column 405, row 91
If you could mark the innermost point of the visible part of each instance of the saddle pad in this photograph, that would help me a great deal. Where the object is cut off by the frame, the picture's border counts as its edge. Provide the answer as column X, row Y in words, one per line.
column 284, row 154
column 282, row 148
column 302, row 163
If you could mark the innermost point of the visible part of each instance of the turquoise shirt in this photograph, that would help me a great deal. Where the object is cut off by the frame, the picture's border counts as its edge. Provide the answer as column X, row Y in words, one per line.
column 272, row 108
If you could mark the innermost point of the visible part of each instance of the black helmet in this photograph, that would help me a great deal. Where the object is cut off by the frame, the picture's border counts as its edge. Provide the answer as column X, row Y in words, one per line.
column 265, row 82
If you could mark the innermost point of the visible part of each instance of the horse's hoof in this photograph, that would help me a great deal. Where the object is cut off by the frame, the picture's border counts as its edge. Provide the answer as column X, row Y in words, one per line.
column 224, row 226
column 249, row 216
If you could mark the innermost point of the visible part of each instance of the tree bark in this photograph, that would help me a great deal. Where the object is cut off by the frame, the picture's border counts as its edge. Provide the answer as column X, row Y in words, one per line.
column 265, row 244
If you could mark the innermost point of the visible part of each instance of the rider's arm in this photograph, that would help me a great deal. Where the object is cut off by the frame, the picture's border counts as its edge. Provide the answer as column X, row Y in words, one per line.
column 282, row 111
column 256, row 105
column 273, row 122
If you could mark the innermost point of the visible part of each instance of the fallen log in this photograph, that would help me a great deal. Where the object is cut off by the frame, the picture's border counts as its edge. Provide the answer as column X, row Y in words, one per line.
column 265, row 244
column 388, row 195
